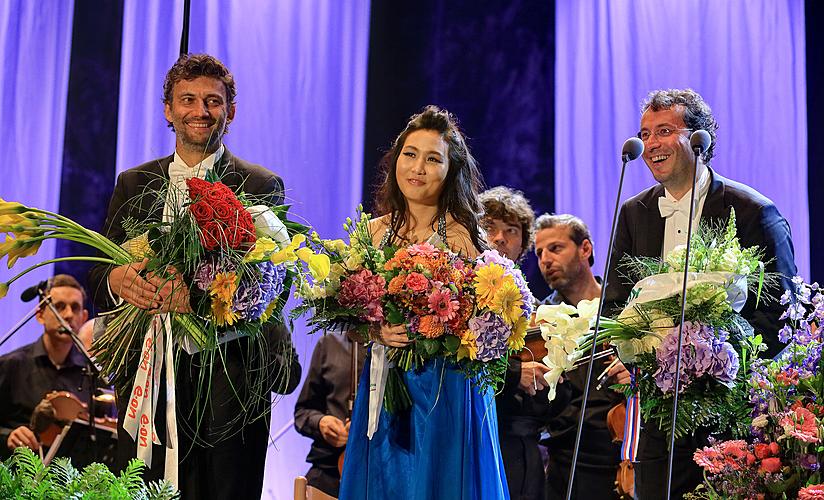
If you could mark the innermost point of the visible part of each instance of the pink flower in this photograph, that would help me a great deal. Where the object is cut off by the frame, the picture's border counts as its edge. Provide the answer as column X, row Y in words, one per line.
column 424, row 249
column 709, row 459
column 732, row 454
column 364, row 290
column 812, row 492
column 417, row 282
column 801, row 424
column 442, row 304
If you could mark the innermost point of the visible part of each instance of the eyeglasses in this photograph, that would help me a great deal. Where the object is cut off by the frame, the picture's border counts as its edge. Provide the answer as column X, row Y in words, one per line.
column 660, row 132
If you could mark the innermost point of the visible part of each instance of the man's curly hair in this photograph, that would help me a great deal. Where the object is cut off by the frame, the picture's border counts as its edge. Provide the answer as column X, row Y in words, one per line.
column 510, row 206
column 697, row 113
column 191, row 66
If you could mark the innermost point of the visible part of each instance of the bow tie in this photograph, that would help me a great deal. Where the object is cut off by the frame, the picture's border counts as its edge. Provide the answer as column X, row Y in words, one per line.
column 667, row 207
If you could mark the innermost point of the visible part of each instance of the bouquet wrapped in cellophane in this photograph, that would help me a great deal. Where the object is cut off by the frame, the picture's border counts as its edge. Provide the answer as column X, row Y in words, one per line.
column 471, row 312
column 718, row 344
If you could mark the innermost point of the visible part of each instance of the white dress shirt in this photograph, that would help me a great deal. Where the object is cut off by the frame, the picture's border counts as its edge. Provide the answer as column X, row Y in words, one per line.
column 676, row 212
column 179, row 173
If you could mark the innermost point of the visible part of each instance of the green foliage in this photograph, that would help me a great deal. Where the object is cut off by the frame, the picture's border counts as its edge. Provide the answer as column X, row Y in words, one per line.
column 24, row 476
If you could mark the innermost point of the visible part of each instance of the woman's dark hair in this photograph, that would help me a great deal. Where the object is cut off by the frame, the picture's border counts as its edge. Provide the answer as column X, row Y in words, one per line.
column 461, row 185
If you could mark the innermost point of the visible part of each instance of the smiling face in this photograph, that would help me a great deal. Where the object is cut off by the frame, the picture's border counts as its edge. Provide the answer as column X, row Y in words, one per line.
column 422, row 167
column 199, row 113
column 670, row 159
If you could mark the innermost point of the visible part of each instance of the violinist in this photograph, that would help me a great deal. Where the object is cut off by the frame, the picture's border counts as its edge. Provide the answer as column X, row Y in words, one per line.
column 565, row 257
column 51, row 363
column 324, row 407
column 522, row 405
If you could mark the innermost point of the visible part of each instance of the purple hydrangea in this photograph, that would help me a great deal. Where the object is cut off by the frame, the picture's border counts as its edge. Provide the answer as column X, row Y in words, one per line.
column 208, row 268
column 492, row 334
column 493, row 257
column 705, row 351
column 258, row 290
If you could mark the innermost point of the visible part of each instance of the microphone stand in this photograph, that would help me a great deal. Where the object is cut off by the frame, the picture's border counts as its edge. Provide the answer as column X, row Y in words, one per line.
column 625, row 158
column 697, row 151
column 23, row 321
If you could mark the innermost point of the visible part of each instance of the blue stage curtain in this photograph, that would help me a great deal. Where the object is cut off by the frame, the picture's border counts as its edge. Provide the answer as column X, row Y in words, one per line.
column 745, row 57
column 35, row 42
column 300, row 68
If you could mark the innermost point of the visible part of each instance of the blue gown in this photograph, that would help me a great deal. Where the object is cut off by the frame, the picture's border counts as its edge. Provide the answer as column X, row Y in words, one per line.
column 445, row 447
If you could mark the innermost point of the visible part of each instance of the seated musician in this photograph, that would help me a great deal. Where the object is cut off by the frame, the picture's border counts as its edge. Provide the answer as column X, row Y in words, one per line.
column 51, row 363
column 323, row 409
column 565, row 256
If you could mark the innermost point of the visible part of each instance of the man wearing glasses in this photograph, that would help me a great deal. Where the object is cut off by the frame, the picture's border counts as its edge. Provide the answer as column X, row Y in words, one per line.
column 654, row 221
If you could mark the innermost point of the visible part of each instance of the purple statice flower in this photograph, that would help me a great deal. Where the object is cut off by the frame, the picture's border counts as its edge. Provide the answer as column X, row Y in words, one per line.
column 492, row 334
column 786, row 297
column 795, row 312
column 785, row 334
column 809, row 461
column 208, row 268
column 705, row 351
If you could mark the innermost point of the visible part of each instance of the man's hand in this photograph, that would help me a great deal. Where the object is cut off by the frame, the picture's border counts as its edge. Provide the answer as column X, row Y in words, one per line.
column 153, row 293
column 392, row 336
column 23, row 436
column 619, row 373
column 334, row 431
column 532, row 377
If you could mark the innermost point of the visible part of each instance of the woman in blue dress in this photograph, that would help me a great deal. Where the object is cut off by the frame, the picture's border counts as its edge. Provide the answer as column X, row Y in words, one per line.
column 446, row 445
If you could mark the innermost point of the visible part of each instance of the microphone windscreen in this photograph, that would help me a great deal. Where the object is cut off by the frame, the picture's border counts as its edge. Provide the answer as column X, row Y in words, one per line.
column 700, row 140
column 633, row 148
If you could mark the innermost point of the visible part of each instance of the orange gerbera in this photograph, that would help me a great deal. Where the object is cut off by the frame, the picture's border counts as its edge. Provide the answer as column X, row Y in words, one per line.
column 396, row 284
column 430, row 327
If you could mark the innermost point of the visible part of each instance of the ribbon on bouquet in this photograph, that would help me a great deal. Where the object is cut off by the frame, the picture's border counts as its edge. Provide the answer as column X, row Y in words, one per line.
column 632, row 425
column 378, row 372
column 139, row 421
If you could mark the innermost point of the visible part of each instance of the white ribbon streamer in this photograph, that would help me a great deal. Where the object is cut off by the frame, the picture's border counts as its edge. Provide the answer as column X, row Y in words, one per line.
column 378, row 371
column 661, row 286
column 139, row 421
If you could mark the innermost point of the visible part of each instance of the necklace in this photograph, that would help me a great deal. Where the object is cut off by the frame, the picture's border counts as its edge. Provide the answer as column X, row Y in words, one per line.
column 389, row 235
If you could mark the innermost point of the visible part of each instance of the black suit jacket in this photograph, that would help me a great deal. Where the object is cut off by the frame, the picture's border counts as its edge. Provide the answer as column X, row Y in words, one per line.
column 234, row 466
column 640, row 232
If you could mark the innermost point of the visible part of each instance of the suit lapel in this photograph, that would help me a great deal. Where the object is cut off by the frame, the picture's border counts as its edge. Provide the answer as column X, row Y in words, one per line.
column 651, row 230
column 156, row 181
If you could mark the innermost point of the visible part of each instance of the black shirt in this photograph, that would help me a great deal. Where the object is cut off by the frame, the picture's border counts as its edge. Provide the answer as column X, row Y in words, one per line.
column 26, row 376
column 326, row 391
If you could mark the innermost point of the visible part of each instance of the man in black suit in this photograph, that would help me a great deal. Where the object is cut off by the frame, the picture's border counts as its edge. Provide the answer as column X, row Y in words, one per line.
column 222, row 452
column 654, row 221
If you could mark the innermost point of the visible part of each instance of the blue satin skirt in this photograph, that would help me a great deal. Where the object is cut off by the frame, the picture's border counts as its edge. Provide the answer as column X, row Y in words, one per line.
column 445, row 447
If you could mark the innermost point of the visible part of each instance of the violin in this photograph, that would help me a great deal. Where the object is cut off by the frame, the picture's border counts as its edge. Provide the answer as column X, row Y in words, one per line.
column 69, row 408
column 625, row 476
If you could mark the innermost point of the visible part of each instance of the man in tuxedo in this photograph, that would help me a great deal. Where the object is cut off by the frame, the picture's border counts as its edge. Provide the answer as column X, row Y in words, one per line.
column 222, row 452
column 654, row 222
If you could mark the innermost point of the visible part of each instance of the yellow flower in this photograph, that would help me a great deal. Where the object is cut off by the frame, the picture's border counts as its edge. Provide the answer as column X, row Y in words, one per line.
column 223, row 287
column 223, row 313
column 19, row 225
column 508, row 301
column 21, row 247
column 487, row 280
column 269, row 310
column 319, row 264
column 263, row 246
column 338, row 246
column 516, row 341
column 138, row 246
column 469, row 347
column 287, row 254
column 4, row 289
column 11, row 207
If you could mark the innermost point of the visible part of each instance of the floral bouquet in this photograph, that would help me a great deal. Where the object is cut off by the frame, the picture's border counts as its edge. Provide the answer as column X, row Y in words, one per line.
column 473, row 313
column 784, row 451
column 235, row 251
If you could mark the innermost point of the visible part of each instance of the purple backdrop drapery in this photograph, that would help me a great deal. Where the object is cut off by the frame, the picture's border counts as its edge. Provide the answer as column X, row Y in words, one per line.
column 300, row 68
column 745, row 58
column 35, row 42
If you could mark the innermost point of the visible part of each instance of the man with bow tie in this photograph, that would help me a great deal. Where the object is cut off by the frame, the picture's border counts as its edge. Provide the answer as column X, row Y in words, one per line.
column 219, row 455
column 654, row 222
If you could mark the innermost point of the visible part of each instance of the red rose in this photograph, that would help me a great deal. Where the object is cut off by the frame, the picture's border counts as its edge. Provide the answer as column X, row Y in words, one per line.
column 774, row 448
column 202, row 211
column 750, row 459
column 224, row 211
column 211, row 234
column 197, row 187
column 772, row 464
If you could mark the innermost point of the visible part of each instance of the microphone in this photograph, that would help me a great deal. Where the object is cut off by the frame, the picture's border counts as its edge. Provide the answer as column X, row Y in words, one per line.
column 632, row 149
column 32, row 292
column 700, row 141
